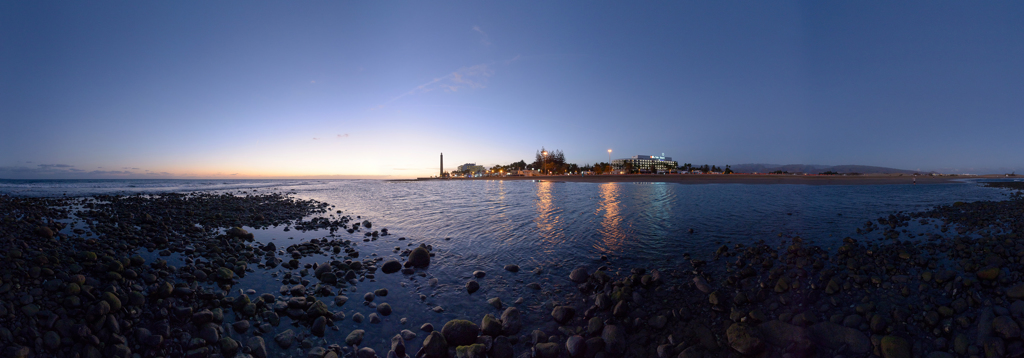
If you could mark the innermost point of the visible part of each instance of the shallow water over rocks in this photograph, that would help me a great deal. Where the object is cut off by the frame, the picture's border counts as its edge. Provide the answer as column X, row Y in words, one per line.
column 548, row 229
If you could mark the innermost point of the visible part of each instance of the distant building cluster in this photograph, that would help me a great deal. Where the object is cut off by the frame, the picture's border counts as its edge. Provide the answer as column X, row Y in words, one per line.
column 646, row 164
column 471, row 168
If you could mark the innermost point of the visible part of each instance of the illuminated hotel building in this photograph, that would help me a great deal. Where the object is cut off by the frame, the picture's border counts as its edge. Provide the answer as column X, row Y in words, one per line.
column 471, row 168
column 643, row 163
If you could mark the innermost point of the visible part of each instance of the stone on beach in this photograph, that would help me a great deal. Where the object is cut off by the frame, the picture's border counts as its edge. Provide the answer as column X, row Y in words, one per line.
column 419, row 258
column 459, row 332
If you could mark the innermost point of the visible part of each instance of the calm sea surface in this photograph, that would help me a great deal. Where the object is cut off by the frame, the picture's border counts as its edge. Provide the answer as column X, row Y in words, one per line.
column 484, row 225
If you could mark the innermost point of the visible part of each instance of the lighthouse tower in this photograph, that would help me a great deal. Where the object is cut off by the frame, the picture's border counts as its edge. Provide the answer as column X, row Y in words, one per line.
column 441, row 175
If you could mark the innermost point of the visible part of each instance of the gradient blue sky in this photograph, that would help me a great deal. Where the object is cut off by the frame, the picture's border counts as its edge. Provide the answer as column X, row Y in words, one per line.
column 378, row 89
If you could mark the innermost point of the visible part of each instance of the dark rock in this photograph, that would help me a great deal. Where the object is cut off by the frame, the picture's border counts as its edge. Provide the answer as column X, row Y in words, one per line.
column 495, row 302
column 546, row 350
column 384, row 309
column 459, row 332
column 511, row 321
column 576, row 346
column 472, row 286
column 1006, row 327
column 614, row 339
column 988, row 274
column 285, row 339
column 475, row 350
column 419, row 257
column 366, row 352
column 994, row 347
column 895, row 347
column 398, row 345
column 257, row 347
column 512, row 268
column 563, row 314
column 434, row 346
column 340, row 300
column 241, row 326
column 51, row 340
column 391, row 266
column 621, row 309
column 744, row 339
column 1015, row 291
column 329, row 278
column 595, row 325
column 702, row 284
column 228, row 346
column 319, row 326
column 317, row 309
column 579, row 275
column 490, row 326
column 355, row 337
column 501, row 348
column 201, row 317
column 210, row 332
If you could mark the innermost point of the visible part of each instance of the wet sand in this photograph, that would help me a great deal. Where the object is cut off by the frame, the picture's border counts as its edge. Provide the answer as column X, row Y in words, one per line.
column 738, row 179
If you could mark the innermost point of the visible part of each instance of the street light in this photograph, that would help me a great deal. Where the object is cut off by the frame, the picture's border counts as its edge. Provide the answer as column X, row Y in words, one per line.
column 544, row 155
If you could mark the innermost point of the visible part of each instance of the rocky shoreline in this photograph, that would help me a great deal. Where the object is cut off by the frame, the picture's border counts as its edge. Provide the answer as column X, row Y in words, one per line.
column 89, row 292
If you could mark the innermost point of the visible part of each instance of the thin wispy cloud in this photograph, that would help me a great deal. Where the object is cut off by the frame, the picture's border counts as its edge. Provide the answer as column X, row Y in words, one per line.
column 472, row 77
column 343, row 136
column 484, row 39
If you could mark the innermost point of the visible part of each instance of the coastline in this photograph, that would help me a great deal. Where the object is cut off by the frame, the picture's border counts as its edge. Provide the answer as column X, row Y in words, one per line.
column 115, row 280
column 737, row 179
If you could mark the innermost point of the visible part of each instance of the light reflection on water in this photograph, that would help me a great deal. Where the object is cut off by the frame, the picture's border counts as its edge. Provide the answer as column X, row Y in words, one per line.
column 608, row 208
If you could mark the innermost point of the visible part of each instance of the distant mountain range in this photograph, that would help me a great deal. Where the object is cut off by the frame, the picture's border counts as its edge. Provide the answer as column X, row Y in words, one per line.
column 815, row 169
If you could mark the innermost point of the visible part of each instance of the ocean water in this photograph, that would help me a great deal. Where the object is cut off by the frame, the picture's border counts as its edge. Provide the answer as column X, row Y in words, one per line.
column 555, row 226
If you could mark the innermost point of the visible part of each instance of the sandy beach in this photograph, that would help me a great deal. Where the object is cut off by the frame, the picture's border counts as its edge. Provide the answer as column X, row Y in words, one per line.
column 741, row 179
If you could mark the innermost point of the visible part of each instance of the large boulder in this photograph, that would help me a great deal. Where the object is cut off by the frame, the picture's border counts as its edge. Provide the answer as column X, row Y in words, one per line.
column 392, row 266
column 1006, row 327
column 511, row 321
column 285, row 339
column 419, row 257
column 355, row 337
column 257, row 347
column 460, row 332
column 476, row 350
column 546, row 350
column 579, row 275
column 614, row 339
column 434, row 346
column 744, row 339
column 490, row 326
column 317, row 309
column 576, row 346
column 563, row 314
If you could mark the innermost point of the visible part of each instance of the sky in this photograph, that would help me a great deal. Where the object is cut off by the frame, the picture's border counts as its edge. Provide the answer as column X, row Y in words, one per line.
column 316, row 89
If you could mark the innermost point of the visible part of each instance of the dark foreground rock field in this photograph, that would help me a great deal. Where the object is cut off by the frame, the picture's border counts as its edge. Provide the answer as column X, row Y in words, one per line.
column 87, row 278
